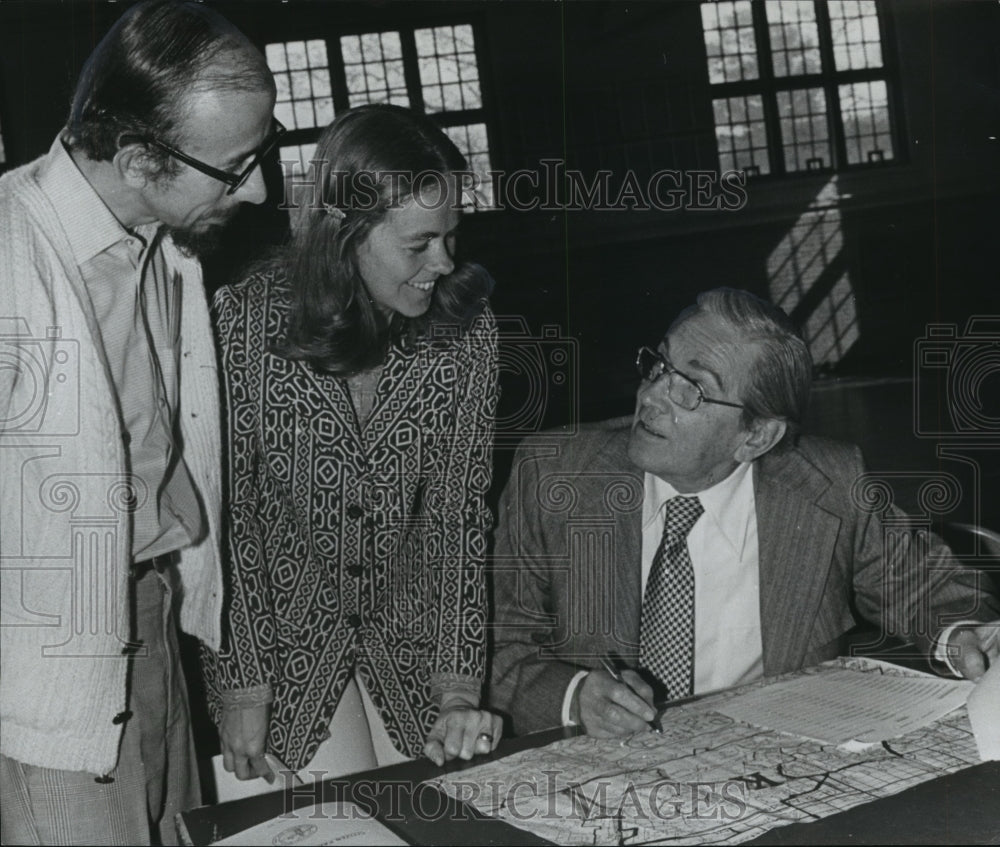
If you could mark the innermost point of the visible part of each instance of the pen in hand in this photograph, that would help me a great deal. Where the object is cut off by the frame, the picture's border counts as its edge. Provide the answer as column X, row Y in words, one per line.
column 615, row 674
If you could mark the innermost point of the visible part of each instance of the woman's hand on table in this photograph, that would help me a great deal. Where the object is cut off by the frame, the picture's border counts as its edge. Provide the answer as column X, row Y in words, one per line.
column 462, row 730
column 243, row 738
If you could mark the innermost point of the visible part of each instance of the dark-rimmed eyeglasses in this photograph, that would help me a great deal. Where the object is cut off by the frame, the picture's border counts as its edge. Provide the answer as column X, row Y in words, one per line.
column 233, row 180
column 681, row 389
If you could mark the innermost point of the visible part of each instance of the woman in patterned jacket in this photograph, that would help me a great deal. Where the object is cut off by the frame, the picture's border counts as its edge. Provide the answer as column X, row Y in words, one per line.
column 360, row 387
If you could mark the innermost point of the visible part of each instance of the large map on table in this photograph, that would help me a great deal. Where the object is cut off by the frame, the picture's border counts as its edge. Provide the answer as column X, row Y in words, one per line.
column 706, row 780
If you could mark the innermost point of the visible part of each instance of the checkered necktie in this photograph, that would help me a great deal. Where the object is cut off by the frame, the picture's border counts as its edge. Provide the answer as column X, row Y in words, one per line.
column 666, row 634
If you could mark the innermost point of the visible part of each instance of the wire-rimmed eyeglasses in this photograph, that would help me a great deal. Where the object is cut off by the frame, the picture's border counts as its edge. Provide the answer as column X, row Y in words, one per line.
column 681, row 389
column 233, row 180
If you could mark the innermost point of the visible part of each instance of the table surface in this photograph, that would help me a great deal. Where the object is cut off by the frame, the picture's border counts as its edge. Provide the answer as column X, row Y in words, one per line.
column 393, row 794
column 960, row 808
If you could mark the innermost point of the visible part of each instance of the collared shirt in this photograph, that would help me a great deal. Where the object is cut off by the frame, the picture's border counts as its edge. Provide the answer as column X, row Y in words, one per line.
column 137, row 306
column 723, row 547
column 728, row 649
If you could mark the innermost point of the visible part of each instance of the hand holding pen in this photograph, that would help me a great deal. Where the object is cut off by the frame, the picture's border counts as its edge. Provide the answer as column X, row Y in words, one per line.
column 611, row 702
column 612, row 669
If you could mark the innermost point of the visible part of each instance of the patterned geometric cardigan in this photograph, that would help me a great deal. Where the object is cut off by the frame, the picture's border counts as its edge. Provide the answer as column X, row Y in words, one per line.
column 352, row 549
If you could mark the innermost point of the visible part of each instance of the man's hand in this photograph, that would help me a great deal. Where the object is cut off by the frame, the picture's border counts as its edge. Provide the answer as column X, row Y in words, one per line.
column 608, row 709
column 462, row 730
column 972, row 649
column 243, row 736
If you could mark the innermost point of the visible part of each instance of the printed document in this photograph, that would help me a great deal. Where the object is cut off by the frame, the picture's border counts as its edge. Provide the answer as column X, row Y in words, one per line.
column 327, row 823
column 984, row 714
column 847, row 705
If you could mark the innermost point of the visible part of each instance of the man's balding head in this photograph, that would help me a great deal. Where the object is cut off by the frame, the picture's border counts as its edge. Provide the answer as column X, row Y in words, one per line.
column 139, row 78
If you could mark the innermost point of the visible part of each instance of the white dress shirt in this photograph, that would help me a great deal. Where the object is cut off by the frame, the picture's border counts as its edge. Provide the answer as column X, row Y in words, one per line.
column 723, row 546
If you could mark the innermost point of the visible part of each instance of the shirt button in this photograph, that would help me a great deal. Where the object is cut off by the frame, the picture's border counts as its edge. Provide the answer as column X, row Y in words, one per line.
column 354, row 511
column 355, row 570
column 121, row 717
column 354, row 620
column 104, row 780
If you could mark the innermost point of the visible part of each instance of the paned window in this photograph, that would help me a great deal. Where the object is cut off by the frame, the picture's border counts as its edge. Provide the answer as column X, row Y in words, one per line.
column 799, row 85
column 302, row 75
column 431, row 69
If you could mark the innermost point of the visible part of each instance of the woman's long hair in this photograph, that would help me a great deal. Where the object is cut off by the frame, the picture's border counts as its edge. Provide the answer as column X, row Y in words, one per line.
column 371, row 158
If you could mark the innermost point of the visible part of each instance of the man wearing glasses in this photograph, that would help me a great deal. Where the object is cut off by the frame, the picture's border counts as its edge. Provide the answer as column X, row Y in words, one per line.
column 110, row 484
column 704, row 542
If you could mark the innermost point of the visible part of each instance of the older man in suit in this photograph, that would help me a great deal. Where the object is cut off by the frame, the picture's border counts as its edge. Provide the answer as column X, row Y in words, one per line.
column 704, row 543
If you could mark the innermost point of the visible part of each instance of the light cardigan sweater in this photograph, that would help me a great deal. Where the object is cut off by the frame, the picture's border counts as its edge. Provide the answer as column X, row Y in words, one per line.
column 65, row 530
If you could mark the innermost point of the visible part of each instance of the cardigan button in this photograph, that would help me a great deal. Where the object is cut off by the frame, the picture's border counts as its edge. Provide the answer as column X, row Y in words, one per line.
column 121, row 717
column 355, row 570
column 354, row 511
column 354, row 620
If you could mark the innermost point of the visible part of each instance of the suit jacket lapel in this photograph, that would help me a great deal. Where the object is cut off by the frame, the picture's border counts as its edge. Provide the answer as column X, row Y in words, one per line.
column 327, row 395
column 401, row 378
column 323, row 400
column 627, row 549
column 796, row 539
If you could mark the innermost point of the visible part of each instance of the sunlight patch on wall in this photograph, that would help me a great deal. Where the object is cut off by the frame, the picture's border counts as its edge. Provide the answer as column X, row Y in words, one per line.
column 799, row 268
column 832, row 328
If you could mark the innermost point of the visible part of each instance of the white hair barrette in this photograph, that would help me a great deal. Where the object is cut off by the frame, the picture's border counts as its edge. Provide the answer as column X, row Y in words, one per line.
column 337, row 214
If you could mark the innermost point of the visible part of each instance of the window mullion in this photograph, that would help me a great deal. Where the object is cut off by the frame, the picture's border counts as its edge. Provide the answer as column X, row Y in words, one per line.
column 411, row 69
column 338, row 75
column 835, row 121
column 481, row 37
column 459, row 117
column 890, row 65
column 765, row 67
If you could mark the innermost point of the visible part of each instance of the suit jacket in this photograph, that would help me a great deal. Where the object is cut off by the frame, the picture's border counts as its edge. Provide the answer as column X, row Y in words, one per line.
column 568, row 552
column 353, row 548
